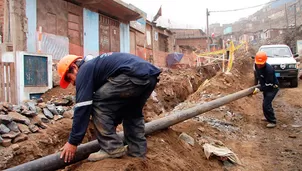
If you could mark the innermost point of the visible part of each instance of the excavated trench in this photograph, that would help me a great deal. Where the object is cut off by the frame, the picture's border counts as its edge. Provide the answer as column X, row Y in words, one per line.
column 174, row 87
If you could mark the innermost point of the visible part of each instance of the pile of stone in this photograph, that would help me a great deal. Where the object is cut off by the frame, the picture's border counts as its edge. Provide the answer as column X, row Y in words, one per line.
column 17, row 121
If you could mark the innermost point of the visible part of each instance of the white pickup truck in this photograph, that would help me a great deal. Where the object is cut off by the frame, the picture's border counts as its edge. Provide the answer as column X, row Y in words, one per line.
column 283, row 61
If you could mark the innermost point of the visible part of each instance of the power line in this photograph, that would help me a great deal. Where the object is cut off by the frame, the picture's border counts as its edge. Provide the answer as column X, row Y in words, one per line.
column 239, row 9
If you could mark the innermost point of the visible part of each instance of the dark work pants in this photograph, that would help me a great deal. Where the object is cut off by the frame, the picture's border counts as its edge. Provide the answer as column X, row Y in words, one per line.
column 267, row 105
column 121, row 100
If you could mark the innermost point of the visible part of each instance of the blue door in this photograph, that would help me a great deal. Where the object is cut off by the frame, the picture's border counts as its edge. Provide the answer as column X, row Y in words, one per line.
column 91, row 33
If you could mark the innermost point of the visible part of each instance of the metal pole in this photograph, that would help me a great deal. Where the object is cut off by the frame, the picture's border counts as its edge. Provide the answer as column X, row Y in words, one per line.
column 208, row 41
column 53, row 162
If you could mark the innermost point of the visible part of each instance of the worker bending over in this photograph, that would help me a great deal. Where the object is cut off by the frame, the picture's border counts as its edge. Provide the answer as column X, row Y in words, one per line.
column 113, row 88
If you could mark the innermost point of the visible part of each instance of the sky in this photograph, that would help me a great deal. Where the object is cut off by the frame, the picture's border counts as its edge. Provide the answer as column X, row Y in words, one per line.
column 192, row 13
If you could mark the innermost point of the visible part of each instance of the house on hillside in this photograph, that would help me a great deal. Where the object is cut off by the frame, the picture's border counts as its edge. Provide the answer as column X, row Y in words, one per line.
column 42, row 31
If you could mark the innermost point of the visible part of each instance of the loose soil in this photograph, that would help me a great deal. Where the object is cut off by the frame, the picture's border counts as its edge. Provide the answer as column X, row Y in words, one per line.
column 237, row 125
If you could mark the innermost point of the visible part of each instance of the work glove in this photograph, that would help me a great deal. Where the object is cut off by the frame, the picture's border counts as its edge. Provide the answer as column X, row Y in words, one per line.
column 257, row 90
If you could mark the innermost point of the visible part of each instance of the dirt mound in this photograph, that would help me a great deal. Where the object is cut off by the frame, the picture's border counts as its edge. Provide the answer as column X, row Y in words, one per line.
column 165, row 152
column 174, row 87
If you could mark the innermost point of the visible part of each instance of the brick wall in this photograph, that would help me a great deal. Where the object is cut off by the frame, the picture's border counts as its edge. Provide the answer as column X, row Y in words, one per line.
column 200, row 43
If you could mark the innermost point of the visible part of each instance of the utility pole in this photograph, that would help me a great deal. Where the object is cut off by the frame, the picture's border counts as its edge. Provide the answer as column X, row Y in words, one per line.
column 208, row 41
column 295, row 15
column 286, row 17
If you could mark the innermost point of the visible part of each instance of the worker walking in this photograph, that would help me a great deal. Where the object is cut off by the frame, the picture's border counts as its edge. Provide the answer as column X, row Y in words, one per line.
column 269, row 85
column 114, row 88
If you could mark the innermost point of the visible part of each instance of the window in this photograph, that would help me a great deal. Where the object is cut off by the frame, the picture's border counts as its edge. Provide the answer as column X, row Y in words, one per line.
column 35, row 71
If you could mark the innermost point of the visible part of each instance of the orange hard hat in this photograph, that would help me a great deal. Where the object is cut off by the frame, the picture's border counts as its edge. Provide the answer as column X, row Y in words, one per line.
column 260, row 58
column 63, row 67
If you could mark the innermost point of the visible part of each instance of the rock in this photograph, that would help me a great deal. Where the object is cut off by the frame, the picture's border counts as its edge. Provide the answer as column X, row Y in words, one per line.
column 201, row 129
column 2, row 113
column 20, row 138
column 17, row 108
column 43, row 118
column 2, row 108
column 68, row 114
column 31, row 106
column 60, row 110
column 39, row 110
column 292, row 136
column 42, row 105
column 13, row 126
column 24, row 107
column 15, row 147
column 6, row 142
column 40, row 100
column 57, row 117
column 1, row 139
column 47, row 113
column 11, row 135
column 43, row 125
column 24, row 128
column 5, row 119
column 19, row 118
column 8, row 106
column 62, row 102
column 4, row 129
column 188, row 139
column 33, row 128
column 71, row 98
column 29, row 113
column 296, row 126
column 52, row 109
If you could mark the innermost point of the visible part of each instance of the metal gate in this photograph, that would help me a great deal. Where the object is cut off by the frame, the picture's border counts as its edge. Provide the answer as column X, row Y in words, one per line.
column 7, row 82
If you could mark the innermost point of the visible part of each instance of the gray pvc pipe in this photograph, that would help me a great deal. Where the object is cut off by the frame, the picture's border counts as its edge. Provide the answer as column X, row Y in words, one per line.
column 53, row 161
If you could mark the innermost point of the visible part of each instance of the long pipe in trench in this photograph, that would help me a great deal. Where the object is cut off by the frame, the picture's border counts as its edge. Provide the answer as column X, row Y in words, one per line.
column 53, row 161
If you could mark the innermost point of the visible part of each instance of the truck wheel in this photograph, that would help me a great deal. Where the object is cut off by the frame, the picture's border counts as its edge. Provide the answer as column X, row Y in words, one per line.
column 294, row 82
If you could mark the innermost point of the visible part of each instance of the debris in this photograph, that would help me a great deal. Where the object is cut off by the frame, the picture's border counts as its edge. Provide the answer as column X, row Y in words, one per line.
column 8, row 106
column 29, row 113
column 4, row 129
column 19, row 118
column 52, row 109
column 32, row 106
column 10, row 135
column 63, row 102
column 13, row 126
column 33, row 128
column 60, row 110
column 20, row 138
column 57, row 117
column 68, row 114
column 187, row 138
column 6, row 142
column 220, row 151
column 17, row 108
column 15, row 147
column 5, row 119
column 42, row 105
column 47, row 113
column 43, row 118
column 296, row 126
column 292, row 136
column 24, row 128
